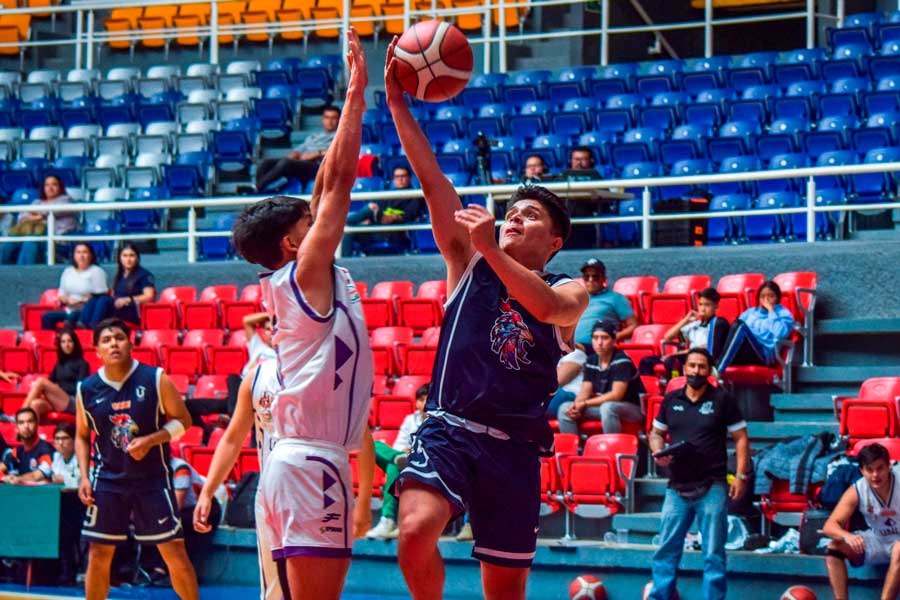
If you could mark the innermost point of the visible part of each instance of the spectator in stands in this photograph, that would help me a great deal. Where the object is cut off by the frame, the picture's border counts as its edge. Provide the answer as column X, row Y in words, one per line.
column 755, row 335
column 603, row 305
column 611, row 388
column 258, row 328
column 81, row 282
column 581, row 168
column 132, row 286
column 53, row 192
column 699, row 328
column 535, row 170
column 32, row 460
column 699, row 417
column 876, row 545
column 64, row 467
column 569, row 375
column 303, row 162
column 392, row 212
column 57, row 392
column 392, row 459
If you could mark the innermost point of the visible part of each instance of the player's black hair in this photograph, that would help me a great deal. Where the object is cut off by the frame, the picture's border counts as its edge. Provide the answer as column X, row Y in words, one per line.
column 27, row 409
column 77, row 351
column 90, row 250
column 67, row 428
column 258, row 230
column 769, row 285
column 710, row 294
column 551, row 202
column 110, row 323
column 702, row 352
column 871, row 453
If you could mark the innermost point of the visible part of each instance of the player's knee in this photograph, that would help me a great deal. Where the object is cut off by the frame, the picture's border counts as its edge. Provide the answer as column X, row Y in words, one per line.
column 100, row 554
column 41, row 382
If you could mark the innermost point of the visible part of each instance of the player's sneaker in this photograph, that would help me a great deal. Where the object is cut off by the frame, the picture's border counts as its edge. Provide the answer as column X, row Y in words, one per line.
column 382, row 529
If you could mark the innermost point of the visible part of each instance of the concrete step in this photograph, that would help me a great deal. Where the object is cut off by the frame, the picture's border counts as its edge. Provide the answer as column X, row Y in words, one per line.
column 844, row 374
column 766, row 433
column 802, row 407
column 641, row 526
column 857, row 326
column 649, row 494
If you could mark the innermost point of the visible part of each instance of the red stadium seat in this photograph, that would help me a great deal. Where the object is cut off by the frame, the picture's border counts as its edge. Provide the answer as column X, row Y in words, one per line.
column 46, row 359
column 85, row 336
column 798, row 295
column 758, row 375
column 248, row 461
column 199, row 458
column 146, row 355
column 55, row 418
column 178, row 294
column 635, row 289
column 215, row 437
column 891, row 444
column 564, row 444
column 17, row 360
column 380, row 308
column 600, row 481
column 251, row 293
column 676, row 299
column 219, row 293
column 390, row 411
column 385, row 436
column 408, row 385
column 182, row 383
column 212, row 387
column 738, row 293
column 31, row 313
column 363, row 288
column 199, row 315
column 387, row 344
column 182, row 360
column 238, row 337
column 873, row 414
column 8, row 433
column 201, row 338
column 234, row 311
column 10, row 402
column 39, row 337
column 192, row 437
column 645, row 341
column 226, row 360
column 159, row 315
column 156, row 339
column 426, row 309
column 8, row 337
column 786, row 508
column 94, row 361
column 418, row 359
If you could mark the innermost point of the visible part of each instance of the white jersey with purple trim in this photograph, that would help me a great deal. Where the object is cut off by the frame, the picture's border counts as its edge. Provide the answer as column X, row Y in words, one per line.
column 262, row 391
column 324, row 361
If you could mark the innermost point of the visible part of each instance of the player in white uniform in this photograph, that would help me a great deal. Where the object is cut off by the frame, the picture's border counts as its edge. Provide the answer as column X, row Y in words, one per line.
column 324, row 364
column 877, row 497
column 253, row 408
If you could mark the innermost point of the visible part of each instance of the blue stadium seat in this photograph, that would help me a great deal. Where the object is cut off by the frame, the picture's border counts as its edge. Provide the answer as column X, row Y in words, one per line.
column 103, row 250
column 830, row 134
column 750, row 70
column 568, row 83
column 705, row 115
column 637, row 146
column 616, row 121
column 452, row 163
column 684, row 168
column 782, row 162
column 188, row 176
column 735, row 164
column 232, row 150
column 767, row 228
column 797, row 65
column 218, row 248
column 68, row 169
column 525, row 86
column 886, row 98
column 274, row 116
column 314, row 83
column 530, row 122
column 686, row 142
column 612, row 80
column 703, row 73
column 727, row 229
column 781, row 138
column 834, row 158
column 143, row 220
column 874, row 187
column 629, row 102
column 657, row 77
column 556, row 143
column 879, row 132
column 735, row 139
column 439, row 132
column 568, row 124
column 23, row 195
column 827, row 223
column 663, row 118
column 598, row 140
column 642, row 170
column 623, row 234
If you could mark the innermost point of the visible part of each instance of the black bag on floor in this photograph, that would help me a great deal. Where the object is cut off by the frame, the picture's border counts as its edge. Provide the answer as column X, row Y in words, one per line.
column 812, row 521
column 241, row 510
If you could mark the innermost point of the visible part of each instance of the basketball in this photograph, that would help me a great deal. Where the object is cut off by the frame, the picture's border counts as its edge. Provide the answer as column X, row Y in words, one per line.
column 434, row 61
column 798, row 592
column 649, row 588
column 587, row 587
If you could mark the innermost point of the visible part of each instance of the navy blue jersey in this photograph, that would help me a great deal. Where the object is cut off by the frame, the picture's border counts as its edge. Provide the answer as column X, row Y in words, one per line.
column 496, row 363
column 119, row 412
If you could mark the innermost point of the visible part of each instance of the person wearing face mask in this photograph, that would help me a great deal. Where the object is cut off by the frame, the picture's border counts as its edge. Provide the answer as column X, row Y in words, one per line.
column 697, row 419
column 611, row 389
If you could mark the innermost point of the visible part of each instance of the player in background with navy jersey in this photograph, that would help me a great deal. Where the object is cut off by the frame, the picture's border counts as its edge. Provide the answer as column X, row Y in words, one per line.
column 503, row 333
column 320, row 413
column 133, row 410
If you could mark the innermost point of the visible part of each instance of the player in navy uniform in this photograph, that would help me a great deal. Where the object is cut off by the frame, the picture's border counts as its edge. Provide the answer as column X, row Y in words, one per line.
column 133, row 410
column 503, row 333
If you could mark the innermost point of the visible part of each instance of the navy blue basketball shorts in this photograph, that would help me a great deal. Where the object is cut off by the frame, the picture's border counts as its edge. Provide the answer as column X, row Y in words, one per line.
column 153, row 513
column 496, row 481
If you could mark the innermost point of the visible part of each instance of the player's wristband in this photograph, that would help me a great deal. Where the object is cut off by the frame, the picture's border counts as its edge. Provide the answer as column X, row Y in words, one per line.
column 175, row 429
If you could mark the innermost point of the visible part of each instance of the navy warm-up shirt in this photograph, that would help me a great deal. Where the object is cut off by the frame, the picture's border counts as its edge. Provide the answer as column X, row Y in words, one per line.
column 496, row 363
column 119, row 412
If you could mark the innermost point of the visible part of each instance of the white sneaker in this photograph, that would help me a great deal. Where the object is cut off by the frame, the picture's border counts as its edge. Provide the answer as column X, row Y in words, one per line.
column 382, row 529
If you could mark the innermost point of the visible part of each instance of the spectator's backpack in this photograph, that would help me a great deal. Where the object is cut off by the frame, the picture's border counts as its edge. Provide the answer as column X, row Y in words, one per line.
column 241, row 510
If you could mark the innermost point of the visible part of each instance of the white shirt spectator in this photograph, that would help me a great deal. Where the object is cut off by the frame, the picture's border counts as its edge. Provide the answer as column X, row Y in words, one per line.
column 409, row 426
column 83, row 284
column 579, row 358
column 696, row 333
column 67, row 470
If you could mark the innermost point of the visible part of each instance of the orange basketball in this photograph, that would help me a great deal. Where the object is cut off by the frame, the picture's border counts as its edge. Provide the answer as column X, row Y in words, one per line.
column 434, row 61
column 798, row 592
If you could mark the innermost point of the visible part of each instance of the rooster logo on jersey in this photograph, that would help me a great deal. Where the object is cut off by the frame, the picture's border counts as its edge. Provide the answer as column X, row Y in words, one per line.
column 124, row 430
column 509, row 337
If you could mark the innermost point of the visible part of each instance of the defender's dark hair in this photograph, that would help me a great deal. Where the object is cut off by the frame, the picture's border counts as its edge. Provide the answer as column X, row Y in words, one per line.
column 111, row 323
column 710, row 294
column 872, row 452
column 702, row 352
column 258, row 230
column 77, row 351
column 770, row 285
column 551, row 202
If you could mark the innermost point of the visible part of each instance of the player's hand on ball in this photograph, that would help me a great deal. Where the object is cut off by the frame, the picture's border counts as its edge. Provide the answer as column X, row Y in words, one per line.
column 392, row 89
column 85, row 492
column 139, row 447
column 362, row 520
column 480, row 225
column 201, row 514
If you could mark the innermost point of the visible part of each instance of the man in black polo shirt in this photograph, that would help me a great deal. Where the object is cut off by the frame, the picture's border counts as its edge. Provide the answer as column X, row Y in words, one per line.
column 701, row 416
column 611, row 389
column 31, row 461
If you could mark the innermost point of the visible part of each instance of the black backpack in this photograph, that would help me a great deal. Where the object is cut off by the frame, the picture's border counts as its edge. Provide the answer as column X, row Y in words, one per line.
column 241, row 511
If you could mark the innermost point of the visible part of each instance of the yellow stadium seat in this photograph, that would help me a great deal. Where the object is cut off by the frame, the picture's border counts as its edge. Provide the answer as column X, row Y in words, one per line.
column 123, row 20
column 393, row 9
column 229, row 15
column 514, row 15
column 191, row 16
column 260, row 12
column 38, row 4
column 425, row 6
column 156, row 18
column 327, row 10
column 14, row 29
column 293, row 11
column 362, row 16
column 470, row 21
column 8, row 4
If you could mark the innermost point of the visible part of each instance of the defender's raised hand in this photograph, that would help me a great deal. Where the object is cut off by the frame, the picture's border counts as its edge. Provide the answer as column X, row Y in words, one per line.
column 393, row 91
column 356, row 59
